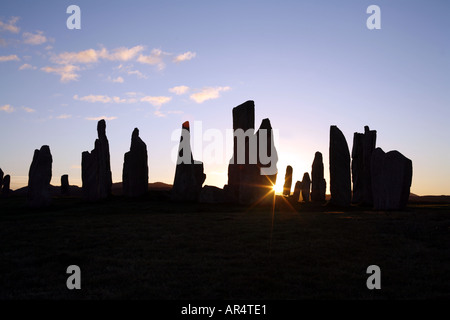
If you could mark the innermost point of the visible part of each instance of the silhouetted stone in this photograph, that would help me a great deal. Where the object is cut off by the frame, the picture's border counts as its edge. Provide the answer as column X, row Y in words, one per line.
column 96, row 169
column 267, row 160
column 211, row 194
column 39, row 177
column 287, row 181
column 6, row 185
column 391, row 179
column 340, row 181
column 1, row 178
column 64, row 184
column 189, row 176
column 135, row 168
column 318, row 182
column 306, row 187
column 297, row 190
column 363, row 147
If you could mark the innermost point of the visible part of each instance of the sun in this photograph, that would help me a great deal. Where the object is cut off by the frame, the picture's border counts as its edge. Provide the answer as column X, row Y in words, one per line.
column 278, row 187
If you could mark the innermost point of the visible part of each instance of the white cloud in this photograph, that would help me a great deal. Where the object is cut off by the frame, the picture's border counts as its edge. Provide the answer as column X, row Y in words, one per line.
column 10, row 25
column 85, row 56
column 121, row 54
column 185, row 56
column 67, row 72
column 116, row 80
column 11, row 57
column 34, row 39
column 155, row 59
column 179, row 90
column 139, row 74
column 27, row 66
column 208, row 93
column 156, row 101
column 100, row 118
column 29, row 110
column 64, row 116
column 93, row 98
column 7, row 108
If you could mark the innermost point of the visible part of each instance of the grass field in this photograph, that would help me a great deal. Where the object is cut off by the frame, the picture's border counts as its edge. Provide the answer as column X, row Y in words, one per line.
column 153, row 249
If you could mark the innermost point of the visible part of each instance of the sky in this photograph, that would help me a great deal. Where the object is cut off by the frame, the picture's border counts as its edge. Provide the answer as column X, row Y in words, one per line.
column 155, row 64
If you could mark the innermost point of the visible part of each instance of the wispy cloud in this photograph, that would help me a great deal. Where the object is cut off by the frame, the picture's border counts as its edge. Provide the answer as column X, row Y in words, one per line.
column 29, row 110
column 67, row 72
column 64, row 116
column 93, row 98
column 7, row 108
column 11, row 57
column 122, row 53
column 155, row 59
column 208, row 93
column 10, row 25
column 27, row 66
column 179, row 90
column 156, row 101
column 116, row 80
column 185, row 56
column 34, row 39
column 81, row 57
column 100, row 118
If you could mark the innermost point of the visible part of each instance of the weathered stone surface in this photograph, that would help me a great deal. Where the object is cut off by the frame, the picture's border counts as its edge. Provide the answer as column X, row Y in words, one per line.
column 135, row 168
column 96, row 169
column 287, row 181
column 391, row 179
column 340, row 181
column 211, row 194
column 319, row 185
column 65, row 184
column 306, row 187
column 39, row 177
column 189, row 176
column 363, row 147
column 6, row 185
column 252, row 170
column 297, row 190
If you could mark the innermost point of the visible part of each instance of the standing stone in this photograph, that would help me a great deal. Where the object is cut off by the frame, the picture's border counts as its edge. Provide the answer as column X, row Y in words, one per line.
column 287, row 181
column 65, row 184
column 189, row 176
column 306, row 187
column 6, row 185
column 1, row 178
column 267, row 161
column 135, row 168
column 319, row 185
column 95, row 168
column 340, row 181
column 391, row 179
column 297, row 190
column 363, row 147
column 39, row 178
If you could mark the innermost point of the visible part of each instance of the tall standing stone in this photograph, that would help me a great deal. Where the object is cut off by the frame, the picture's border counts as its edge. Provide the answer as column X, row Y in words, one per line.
column 1, row 178
column 306, row 187
column 297, row 190
column 287, row 181
column 369, row 144
column 6, row 185
column 391, row 179
column 189, row 176
column 340, row 181
column 135, row 168
column 65, row 184
column 357, row 168
column 267, row 160
column 39, row 177
column 96, row 169
column 319, row 185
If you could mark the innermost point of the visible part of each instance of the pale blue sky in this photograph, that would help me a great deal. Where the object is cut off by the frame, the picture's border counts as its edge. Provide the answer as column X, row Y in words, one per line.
column 306, row 64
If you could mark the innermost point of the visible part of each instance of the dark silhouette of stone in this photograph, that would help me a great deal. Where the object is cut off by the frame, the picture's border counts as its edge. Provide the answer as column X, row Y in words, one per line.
column 391, row 179
column 96, row 169
column 252, row 170
column 340, row 181
column 319, row 185
column 65, row 184
column 6, row 185
column 363, row 147
column 1, row 178
column 297, row 190
column 287, row 181
column 135, row 168
column 211, row 194
column 306, row 187
column 189, row 176
column 39, row 177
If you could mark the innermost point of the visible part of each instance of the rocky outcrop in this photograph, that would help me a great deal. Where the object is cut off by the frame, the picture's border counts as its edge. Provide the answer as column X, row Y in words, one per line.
column 391, row 179
column 135, row 168
column 39, row 177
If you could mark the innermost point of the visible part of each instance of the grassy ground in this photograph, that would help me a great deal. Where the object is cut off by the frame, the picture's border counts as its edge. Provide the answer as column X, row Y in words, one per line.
column 146, row 249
